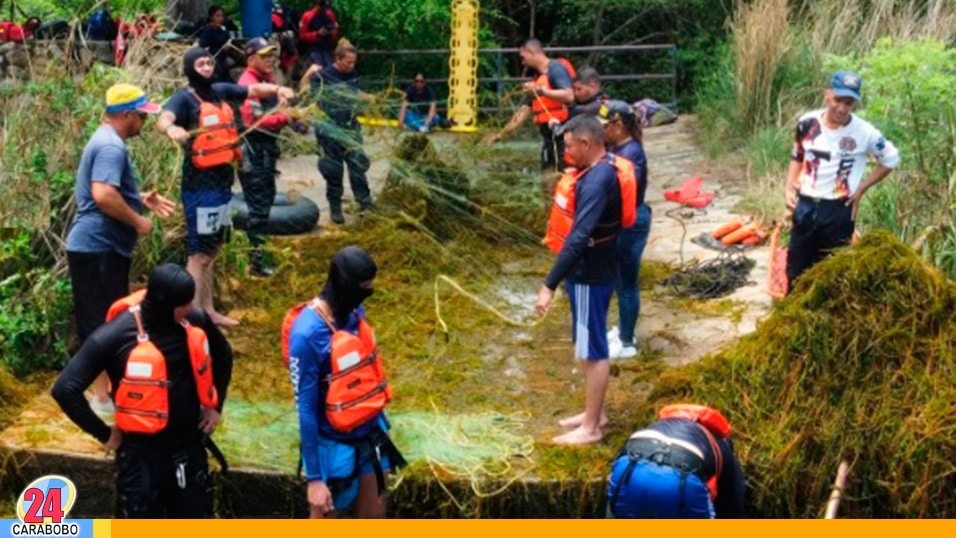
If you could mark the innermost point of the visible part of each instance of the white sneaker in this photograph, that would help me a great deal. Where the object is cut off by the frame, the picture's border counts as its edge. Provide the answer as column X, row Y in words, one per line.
column 613, row 334
column 628, row 351
column 614, row 348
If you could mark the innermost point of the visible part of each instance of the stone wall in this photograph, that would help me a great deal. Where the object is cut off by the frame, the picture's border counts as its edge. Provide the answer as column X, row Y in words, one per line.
column 24, row 61
column 151, row 63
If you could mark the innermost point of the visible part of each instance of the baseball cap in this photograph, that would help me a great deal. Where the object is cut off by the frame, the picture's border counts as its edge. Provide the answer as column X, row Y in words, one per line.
column 260, row 46
column 614, row 110
column 846, row 84
column 126, row 97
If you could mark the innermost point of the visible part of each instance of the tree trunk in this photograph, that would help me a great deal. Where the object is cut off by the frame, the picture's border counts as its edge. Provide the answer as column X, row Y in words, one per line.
column 597, row 34
column 534, row 12
column 187, row 10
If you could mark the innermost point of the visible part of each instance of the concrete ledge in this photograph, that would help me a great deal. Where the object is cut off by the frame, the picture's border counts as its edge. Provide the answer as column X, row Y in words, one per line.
column 253, row 493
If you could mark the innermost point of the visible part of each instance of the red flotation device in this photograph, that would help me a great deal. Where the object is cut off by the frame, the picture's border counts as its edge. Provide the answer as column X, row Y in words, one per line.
column 690, row 195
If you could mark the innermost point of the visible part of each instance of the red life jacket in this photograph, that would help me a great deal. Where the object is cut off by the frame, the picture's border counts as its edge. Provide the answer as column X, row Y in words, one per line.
column 142, row 397
column 357, row 388
column 713, row 423
column 546, row 109
column 690, row 195
column 11, row 31
column 562, row 210
column 217, row 142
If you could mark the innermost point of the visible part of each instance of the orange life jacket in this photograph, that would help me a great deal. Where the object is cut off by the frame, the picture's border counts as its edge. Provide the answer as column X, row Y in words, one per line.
column 713, row 423
column 142, row 398
column 357, row 388
column 546, row 109
column 562, row 210
column 218, row 140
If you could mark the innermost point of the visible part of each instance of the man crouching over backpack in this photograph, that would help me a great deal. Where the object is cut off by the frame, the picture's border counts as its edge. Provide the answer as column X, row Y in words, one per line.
column 341, row 392
column 169, row 367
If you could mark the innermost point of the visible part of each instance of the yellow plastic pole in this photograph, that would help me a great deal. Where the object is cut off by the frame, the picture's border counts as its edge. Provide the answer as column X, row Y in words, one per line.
column 463, row 64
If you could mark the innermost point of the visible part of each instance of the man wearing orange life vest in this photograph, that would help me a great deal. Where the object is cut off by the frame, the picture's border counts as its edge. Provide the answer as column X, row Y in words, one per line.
column 550, row 95
column 341, row 391
column 682, row 466
column 201, row 118
column 585, row 220
column 170, row 369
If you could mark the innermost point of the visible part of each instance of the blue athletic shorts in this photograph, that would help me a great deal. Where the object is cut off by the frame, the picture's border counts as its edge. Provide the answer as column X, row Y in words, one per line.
column 654, row 491
column 589, row 305
column 208, row 216
column 337, row 461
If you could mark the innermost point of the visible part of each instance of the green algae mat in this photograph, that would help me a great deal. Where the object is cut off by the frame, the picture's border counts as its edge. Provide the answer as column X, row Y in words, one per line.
column 859, row 364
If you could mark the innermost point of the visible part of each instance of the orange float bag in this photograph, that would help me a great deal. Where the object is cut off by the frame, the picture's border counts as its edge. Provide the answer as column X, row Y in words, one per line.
column 777, row 275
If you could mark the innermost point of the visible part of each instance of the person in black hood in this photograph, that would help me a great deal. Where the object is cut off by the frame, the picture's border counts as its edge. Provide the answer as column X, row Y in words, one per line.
column 345, row 459
column 349, row 282
column 160, row 453
column 210, row 159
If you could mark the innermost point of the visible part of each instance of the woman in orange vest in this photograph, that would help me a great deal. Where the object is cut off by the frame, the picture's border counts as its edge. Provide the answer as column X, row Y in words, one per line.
column 169, row 394
column 622, row 130
column 201, row 118
column 550, row 95
column 680, row 467
column 341, row 391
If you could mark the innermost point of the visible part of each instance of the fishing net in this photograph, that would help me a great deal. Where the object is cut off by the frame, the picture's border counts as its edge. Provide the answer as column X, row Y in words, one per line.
column 456, row 233
column 488, row 451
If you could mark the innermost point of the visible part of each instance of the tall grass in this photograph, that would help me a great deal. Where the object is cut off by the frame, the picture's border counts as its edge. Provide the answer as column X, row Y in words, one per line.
column 759, row 34
column 775, row 67
column 44, row 126
column 777, row 50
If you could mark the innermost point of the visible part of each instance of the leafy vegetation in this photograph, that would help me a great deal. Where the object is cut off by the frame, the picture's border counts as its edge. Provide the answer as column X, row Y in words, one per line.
column 776, row 65
column 37, row 208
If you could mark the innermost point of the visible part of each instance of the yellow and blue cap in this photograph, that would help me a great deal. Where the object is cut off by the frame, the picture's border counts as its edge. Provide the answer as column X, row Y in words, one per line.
column 126, row 97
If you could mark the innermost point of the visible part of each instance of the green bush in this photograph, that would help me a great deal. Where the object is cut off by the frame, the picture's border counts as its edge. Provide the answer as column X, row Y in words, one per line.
column 910, row 91
column 35, row 298
column 35, row 308
column 775, row 67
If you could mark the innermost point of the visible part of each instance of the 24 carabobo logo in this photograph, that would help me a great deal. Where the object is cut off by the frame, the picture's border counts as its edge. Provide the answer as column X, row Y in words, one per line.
column 43, row 506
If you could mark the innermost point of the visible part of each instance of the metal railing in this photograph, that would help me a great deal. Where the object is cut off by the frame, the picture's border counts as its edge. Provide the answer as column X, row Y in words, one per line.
column 494, row 75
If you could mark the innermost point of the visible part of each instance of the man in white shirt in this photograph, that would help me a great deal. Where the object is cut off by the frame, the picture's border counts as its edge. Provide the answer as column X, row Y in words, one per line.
column 825, row 180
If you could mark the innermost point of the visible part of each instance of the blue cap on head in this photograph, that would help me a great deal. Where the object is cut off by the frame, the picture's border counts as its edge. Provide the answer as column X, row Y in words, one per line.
column 846, row 84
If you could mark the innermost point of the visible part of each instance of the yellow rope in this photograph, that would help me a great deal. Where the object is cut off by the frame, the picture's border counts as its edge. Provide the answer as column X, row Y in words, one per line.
column 480, row 302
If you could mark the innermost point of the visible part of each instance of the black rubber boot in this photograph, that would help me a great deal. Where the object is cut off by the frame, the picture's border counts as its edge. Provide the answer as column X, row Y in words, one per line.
column 258, row 264
column 335, row 214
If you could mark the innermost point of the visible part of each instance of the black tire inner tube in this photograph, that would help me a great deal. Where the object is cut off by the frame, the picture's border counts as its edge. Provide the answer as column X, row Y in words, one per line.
column 286, row 217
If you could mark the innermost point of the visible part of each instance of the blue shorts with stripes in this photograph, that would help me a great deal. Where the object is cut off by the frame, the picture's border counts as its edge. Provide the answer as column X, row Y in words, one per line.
column 589, row 305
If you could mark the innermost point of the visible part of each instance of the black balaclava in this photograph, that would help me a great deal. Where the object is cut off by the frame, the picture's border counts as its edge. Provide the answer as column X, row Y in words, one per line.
column 199, row 83
column 350, row 267
column 169, row 287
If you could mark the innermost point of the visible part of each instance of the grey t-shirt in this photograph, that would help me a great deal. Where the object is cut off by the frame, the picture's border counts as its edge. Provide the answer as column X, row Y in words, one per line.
column 104, row 159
